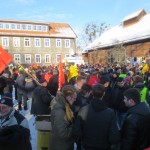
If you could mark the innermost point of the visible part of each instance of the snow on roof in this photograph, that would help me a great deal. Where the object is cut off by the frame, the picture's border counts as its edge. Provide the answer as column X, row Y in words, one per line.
column 120, row 34
column 135, row 14
column 61, row 30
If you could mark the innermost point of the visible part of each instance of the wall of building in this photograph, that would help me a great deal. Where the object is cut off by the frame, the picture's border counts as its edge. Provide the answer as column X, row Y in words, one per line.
column 52, row 50
column 118, row 54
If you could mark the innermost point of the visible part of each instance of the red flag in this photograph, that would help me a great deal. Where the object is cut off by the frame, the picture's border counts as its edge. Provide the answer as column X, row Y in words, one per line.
column 61, row 74
column 5, row 59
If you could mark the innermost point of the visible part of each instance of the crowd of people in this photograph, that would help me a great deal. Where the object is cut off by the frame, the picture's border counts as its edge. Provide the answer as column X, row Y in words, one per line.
column 97, row 108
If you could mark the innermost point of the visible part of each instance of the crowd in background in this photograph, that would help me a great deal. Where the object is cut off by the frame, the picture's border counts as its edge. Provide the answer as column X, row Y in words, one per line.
column 98, row 107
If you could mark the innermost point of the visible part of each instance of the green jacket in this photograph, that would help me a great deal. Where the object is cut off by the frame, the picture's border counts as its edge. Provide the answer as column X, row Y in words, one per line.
column 62, row 138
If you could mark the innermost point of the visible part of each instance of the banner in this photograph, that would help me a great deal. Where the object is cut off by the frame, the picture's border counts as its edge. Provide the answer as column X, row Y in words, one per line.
column 5, row 59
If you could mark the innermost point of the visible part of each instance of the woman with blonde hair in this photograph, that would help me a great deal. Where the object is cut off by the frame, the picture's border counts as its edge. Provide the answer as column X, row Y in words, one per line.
column 62, row 119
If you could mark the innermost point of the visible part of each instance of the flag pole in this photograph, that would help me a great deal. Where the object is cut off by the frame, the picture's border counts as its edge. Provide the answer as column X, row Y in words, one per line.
column 29, row 74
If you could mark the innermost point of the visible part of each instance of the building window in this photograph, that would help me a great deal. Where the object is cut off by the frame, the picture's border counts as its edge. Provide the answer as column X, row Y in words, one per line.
column 39, row 28
column 18, row 26
column 37, row 58
column 47, row 58
column 6, row 26
column 28, row 58
column 29, row 27
column 57, row 58
column 34, row 28
column 24, row 27
column 45, row 28
column 13, row 26
column 5, row 41
column 16, row 41
column 46, row 42
column 67, row 43
column 37, row 42
column 1, row 26
column 58, row 42
column 17, row 58
column 26, row 42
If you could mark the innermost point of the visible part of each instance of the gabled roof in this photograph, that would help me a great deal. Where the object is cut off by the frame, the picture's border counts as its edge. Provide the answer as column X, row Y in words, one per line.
column 57, row 30
column 119, row 34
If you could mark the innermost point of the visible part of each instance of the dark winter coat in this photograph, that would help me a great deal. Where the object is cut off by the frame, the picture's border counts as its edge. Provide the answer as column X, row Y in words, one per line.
column 136, row 128
column 53, row 85
column 15, row 137
column 117, row 98
column 107, row 97
column 3, row 84
column 41, row 101
column 96, row 125
column 20, row 83
column 62, row 138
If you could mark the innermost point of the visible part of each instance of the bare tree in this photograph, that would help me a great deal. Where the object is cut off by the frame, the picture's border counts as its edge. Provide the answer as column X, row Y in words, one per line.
column 90, row 32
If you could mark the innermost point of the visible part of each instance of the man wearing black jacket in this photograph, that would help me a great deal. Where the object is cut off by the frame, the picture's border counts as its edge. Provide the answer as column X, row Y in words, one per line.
column 41, row 99
column 136, row 128
column 96, row 124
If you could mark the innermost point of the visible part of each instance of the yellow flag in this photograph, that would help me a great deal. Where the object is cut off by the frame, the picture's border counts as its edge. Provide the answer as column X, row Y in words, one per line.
column 73, row 72
column 145, row 68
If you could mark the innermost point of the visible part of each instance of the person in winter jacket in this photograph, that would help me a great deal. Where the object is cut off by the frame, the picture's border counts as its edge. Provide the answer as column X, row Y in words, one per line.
column 3, row 84
column 21, row 90
column 14, row 129
column 14, row 77
column 93, row 79
column 117, row 102
column 136, row 127
column 105, row 80
column 96, row 124
column 52, row 85
column 62, row 119
column 139, row 84
column 41, row 99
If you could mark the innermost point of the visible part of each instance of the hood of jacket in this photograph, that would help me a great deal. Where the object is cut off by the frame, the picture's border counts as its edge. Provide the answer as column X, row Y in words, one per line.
column 141, row 109
column 58, row 101
column 98, row 105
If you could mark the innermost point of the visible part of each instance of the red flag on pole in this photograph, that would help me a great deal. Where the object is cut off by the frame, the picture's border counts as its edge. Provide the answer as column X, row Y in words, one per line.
column 5, row 59
column 61, row 74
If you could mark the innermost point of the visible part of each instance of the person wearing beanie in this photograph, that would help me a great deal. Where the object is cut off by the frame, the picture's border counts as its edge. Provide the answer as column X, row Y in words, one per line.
column 14, row 129
column 41, row 99
column 114, row 77
column 105, row 80
column 117, row 102
column 8, row 114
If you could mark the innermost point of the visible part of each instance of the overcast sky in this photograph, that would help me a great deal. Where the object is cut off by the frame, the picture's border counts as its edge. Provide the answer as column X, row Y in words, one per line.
column 77, row 13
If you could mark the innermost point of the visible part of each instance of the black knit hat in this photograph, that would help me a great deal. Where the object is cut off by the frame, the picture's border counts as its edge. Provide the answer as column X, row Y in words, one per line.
column 7, row 99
